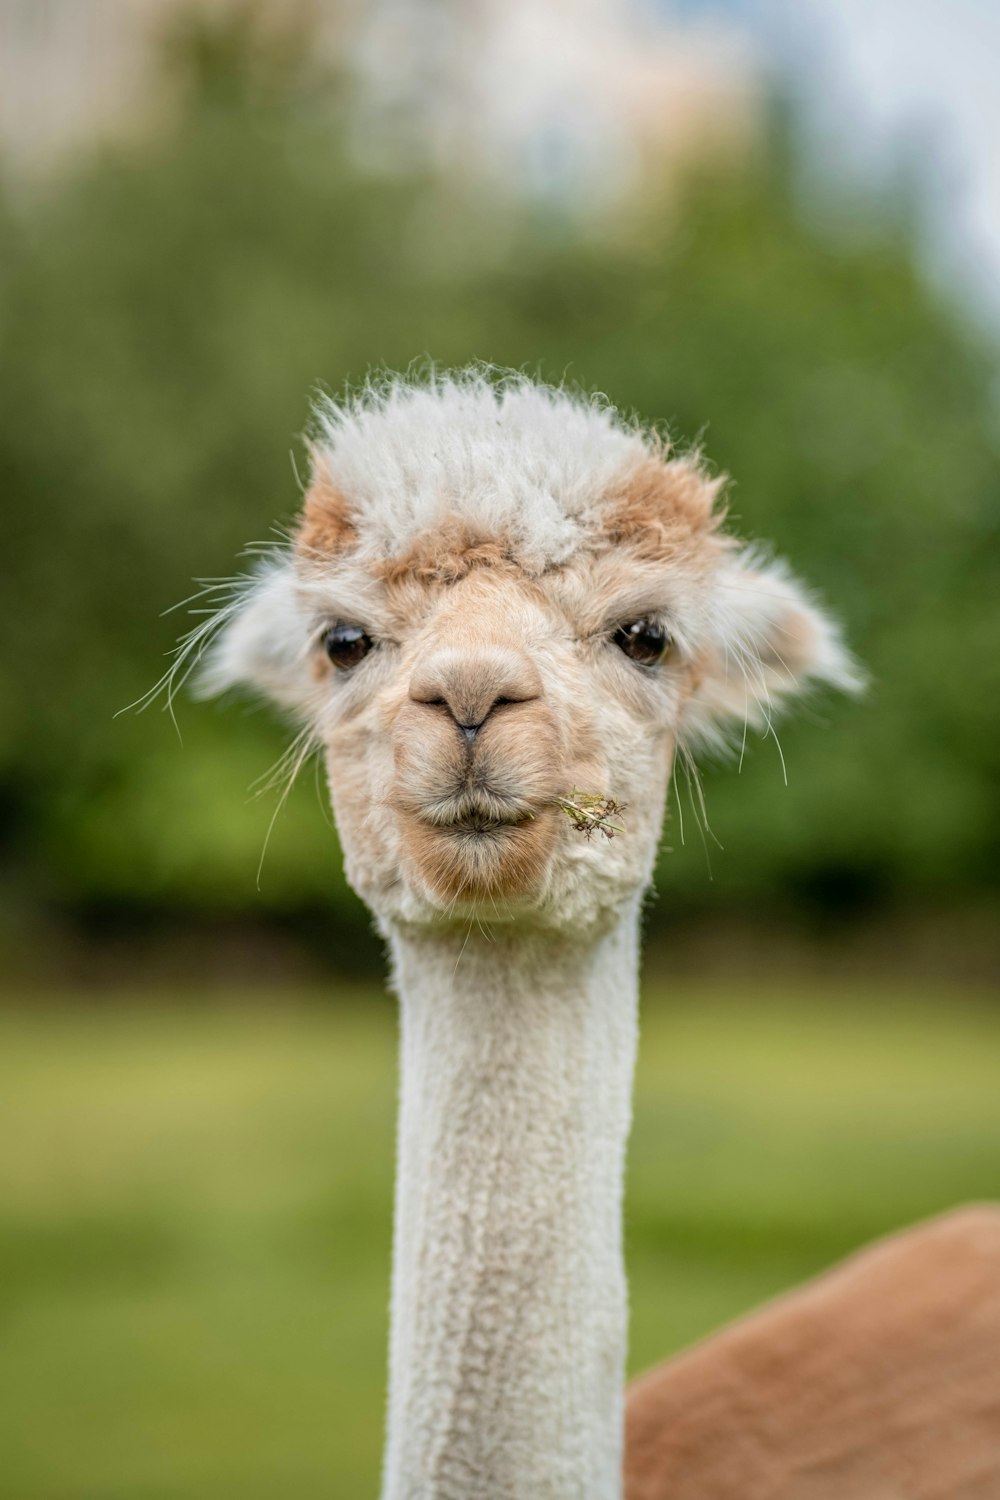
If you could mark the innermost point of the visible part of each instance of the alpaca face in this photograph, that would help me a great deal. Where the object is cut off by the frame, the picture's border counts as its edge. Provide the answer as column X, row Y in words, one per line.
column 500, row 598
column 479, row 704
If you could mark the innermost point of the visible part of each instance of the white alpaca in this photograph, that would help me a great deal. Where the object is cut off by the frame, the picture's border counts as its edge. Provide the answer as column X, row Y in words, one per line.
column 502, row 596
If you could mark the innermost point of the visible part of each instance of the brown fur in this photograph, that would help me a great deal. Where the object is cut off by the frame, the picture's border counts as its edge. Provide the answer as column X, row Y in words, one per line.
column 878, row 1381
column 662, row 507
column 447, row 554
column 326, row 527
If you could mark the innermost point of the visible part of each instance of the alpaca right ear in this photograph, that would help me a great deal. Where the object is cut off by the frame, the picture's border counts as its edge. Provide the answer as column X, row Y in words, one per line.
column 772, row 642
column 263, row 642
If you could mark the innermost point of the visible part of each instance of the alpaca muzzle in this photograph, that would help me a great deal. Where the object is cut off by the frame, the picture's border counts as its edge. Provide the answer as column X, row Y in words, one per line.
column 474, row 799
column 472, row 684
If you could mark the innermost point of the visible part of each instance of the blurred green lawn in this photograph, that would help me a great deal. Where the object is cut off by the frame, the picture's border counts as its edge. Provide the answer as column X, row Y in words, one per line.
column 195, row 1210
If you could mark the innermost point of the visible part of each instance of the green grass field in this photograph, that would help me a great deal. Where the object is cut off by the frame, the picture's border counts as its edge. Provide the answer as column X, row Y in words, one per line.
column 195, row 1211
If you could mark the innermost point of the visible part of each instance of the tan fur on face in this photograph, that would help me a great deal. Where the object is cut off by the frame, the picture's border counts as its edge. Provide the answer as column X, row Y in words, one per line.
column 510, row 767
column 485, row 828
column 503, row 782
column 504, row 864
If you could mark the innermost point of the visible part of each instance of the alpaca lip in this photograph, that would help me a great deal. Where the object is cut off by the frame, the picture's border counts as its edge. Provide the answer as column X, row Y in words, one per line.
column 483, row 821
column 484, row 826
column 478, row 813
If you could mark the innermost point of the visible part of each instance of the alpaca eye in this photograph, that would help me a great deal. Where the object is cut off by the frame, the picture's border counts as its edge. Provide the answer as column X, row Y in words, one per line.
column 643, row 641
column 346, row 645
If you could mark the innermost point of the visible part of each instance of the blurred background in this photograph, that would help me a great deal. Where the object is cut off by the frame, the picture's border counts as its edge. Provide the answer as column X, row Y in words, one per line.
column 774, row 226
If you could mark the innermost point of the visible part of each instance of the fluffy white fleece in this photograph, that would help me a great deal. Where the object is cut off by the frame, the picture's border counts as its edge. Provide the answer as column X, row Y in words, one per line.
column 513, row 457
column 509, row 1303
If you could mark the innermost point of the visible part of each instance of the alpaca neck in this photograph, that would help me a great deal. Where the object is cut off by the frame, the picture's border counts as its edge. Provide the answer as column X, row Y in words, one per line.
column 509, row 1302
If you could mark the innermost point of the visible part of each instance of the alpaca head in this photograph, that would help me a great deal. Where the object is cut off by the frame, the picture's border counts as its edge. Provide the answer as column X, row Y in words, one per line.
column 500, row 594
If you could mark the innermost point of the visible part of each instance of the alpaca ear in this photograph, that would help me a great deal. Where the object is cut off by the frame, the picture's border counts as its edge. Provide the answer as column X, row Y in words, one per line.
column 771, row 643
column 263, row 642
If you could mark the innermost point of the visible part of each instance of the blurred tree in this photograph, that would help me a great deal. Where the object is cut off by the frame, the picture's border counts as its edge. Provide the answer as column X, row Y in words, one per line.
column 164, row 313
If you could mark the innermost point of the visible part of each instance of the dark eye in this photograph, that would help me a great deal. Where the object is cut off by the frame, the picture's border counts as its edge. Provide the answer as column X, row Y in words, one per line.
column 644, row 641
column 346, row 645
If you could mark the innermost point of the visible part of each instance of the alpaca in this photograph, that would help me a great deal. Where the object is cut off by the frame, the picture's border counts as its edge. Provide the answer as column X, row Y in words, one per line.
column 879, row 1379
column 503, row 616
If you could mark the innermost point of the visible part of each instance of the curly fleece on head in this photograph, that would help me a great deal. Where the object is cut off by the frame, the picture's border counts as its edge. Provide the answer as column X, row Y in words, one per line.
column 532, row 463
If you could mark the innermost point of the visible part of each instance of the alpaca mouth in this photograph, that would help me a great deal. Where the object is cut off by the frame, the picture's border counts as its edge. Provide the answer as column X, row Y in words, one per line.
column 485, row 828
column 478, row 813
column 480, row 846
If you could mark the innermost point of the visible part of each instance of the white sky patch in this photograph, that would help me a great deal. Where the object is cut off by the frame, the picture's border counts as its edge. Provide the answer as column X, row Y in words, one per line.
column 883, row 80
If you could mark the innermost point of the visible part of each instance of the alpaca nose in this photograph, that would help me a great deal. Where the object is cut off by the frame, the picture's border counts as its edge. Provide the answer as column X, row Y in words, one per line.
column 470, row 684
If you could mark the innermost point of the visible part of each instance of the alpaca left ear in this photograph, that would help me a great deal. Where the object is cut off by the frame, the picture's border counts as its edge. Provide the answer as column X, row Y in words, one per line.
column 263, row 642
column 770, row 643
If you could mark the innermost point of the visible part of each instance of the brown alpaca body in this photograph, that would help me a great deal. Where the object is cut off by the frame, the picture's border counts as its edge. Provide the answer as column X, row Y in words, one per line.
column 880, row 1380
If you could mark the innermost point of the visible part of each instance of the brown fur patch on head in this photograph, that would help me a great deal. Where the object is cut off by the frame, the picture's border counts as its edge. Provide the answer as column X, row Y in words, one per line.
column 447, row 554
column 662, row 506
column 327, row 526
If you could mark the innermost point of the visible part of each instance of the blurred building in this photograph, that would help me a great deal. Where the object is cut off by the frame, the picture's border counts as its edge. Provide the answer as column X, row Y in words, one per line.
column 76, row 72
column 574, row 101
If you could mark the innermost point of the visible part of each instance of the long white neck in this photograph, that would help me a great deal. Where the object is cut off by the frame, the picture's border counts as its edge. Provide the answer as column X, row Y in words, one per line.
column 509, row 1303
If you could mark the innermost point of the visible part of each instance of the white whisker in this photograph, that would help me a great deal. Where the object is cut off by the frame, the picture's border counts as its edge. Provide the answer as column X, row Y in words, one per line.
column 307, row 747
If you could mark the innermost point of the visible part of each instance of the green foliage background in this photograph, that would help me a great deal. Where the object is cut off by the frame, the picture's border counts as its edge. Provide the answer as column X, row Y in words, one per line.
column 195, row 1201
column 166, row 310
